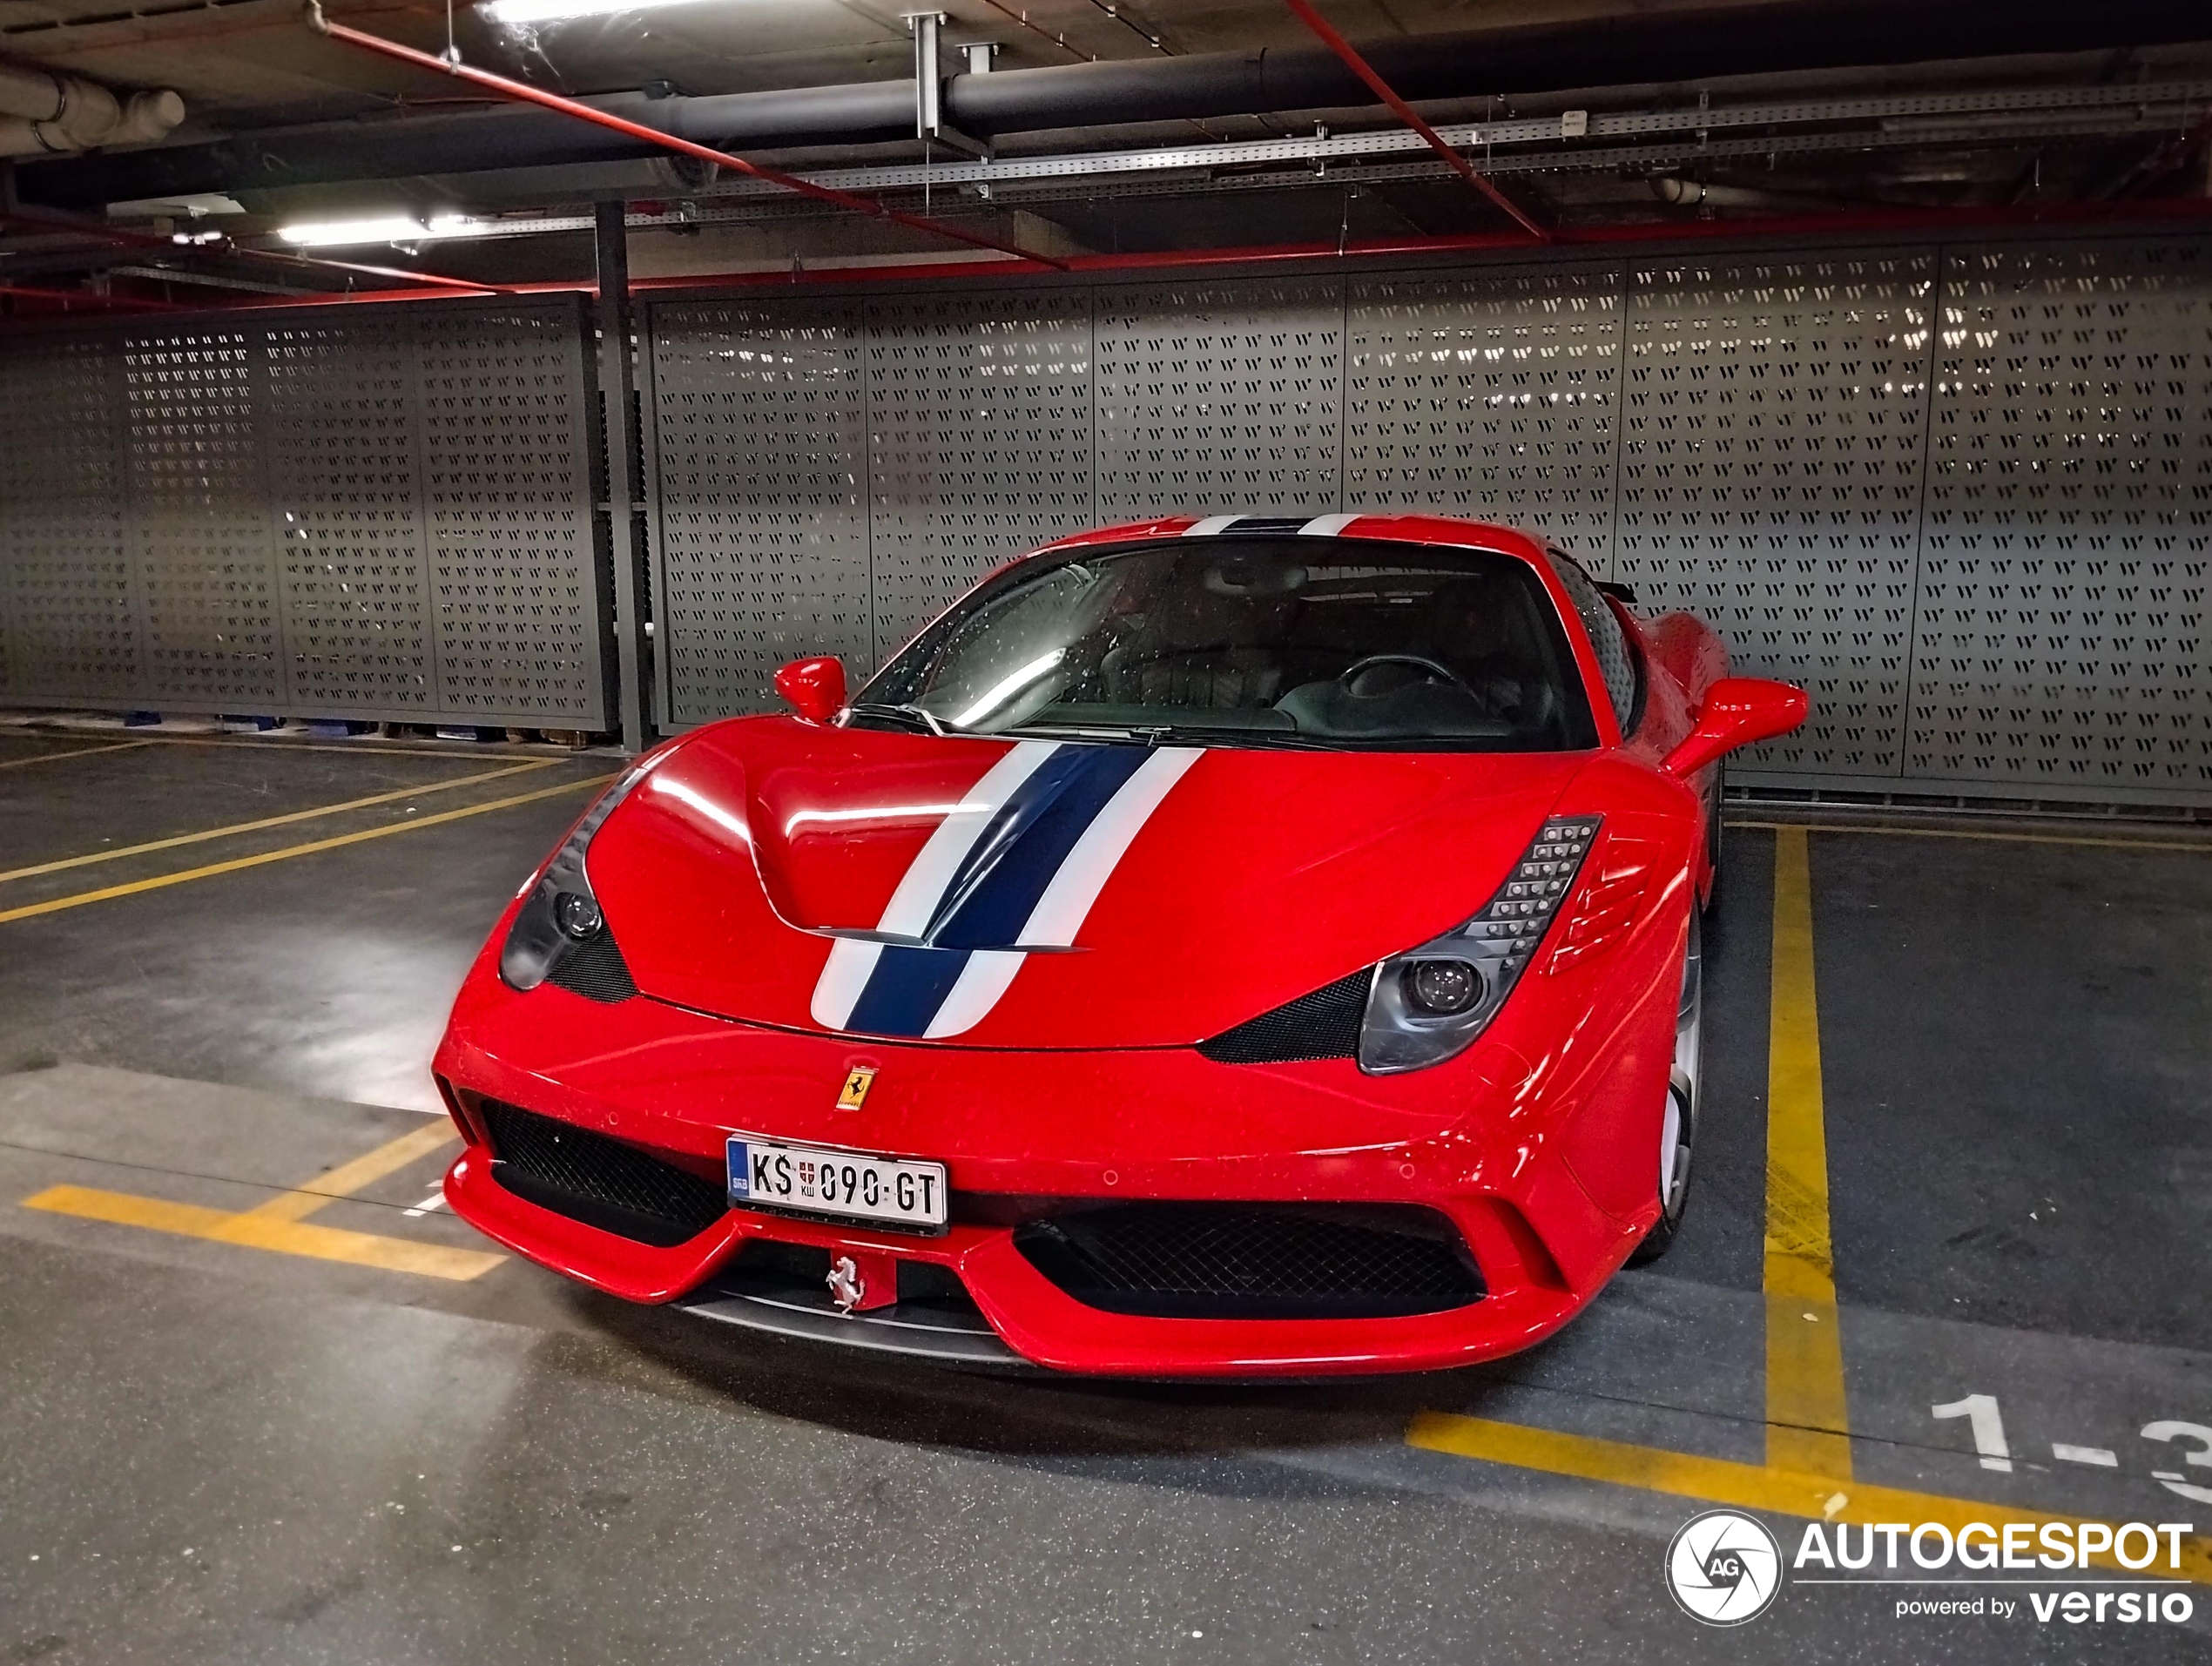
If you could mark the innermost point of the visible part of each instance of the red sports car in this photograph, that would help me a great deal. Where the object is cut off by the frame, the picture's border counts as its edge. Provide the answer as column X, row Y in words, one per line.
column 1212, row 947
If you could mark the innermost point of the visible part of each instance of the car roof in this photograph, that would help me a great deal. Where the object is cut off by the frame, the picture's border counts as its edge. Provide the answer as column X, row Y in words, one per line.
column 1398, row 529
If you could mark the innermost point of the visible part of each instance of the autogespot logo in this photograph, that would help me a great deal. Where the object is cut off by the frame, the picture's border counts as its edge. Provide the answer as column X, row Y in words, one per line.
column 1724, row 1567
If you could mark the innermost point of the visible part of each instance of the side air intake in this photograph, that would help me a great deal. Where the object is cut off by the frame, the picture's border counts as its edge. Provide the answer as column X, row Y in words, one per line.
column 1322, row 1025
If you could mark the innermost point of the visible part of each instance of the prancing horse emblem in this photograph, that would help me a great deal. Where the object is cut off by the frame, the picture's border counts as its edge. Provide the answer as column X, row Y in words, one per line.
column 847, row 1288
column 854, row 1093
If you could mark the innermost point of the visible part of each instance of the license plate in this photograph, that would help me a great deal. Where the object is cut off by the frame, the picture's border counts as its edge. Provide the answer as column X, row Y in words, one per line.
column 844, row 1185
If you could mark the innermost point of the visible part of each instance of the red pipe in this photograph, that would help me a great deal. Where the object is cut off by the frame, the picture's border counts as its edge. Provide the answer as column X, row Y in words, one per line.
column 1405, row 113
column 529, row 94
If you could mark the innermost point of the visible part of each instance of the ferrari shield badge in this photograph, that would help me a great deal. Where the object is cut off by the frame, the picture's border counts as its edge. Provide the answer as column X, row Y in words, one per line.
column 854, row 1093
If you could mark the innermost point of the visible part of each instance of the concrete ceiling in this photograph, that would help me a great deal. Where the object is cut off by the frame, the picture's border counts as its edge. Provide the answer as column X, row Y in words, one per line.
column 244, row 65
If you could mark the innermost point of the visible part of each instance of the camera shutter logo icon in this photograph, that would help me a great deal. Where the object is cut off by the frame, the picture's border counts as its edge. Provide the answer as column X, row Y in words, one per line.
column 1724, row 1568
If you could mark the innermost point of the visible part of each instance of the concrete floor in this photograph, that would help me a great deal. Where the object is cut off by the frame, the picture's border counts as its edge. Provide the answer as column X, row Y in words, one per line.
column 215, row 1452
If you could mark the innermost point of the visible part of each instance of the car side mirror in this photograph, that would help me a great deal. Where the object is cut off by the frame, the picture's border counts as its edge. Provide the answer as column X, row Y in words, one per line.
column 1738, row 711
column 813, row 688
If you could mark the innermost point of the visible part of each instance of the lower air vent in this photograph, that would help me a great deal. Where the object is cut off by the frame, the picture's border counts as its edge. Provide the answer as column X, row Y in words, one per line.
column 1323, row 1025
column 606, row 1183
column 595, row 969
column 1180, row 1260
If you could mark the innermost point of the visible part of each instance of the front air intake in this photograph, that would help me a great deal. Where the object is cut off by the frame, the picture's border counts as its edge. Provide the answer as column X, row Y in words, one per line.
column 597, row 1179
column 1193, row 1260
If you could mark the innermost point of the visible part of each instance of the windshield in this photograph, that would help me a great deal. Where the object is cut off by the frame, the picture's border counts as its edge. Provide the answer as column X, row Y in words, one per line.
column 1287, row 641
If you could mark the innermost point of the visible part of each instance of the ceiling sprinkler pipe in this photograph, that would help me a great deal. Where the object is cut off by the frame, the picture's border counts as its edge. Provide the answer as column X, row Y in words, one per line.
column 46, row 114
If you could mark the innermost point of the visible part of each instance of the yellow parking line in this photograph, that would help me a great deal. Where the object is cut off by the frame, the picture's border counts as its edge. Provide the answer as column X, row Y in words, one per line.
column 275, row 821
column 2201, row 847
column 257, row 1231
column 1808, row 1467
column 236, row 863
column 1717, row 1481
column 349, row 1177
column 1806, row 1413
column 75, row 752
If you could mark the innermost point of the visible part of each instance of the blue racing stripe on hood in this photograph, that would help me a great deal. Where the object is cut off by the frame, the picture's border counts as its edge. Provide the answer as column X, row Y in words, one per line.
column 905, row 990
column 991, row 894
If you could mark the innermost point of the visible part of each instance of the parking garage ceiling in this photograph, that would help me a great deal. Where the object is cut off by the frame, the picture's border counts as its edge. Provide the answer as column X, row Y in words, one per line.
column 1076, row 127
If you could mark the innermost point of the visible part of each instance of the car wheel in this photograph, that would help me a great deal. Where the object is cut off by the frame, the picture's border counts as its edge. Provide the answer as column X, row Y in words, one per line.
column 1678, row 1127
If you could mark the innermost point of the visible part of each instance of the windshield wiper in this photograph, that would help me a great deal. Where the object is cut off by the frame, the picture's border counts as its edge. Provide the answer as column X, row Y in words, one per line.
column 1149, row 736
column 1231, row 735
column 908, row 712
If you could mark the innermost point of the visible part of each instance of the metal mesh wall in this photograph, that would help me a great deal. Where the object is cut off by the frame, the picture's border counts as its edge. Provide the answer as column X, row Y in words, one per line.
column 759, row 460
column 978, row 443
column 1963, row 495
column 376, row 512
column 67, row 603
column 199, row 526
column 1774, row 421
column 2062, row 639
column 344, row 459
column 1495, row 397
column 515, row 573
column 1216, row 393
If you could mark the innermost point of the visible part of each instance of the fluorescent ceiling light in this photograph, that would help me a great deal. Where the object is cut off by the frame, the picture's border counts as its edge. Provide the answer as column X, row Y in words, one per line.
column 205, row 202
column 512, row 13
column 390, row 228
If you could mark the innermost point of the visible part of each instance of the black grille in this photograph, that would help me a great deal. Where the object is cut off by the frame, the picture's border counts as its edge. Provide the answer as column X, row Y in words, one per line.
column 1173, row 1260
column 595, row 969
column 1323, row 1025
column 605, row 1182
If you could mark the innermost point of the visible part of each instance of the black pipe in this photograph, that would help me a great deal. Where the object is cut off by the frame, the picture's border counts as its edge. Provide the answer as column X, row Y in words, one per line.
column 1630, row 49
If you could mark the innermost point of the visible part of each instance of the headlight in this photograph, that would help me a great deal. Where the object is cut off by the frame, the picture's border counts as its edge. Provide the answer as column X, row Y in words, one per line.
column 1429, row 1003
column 562, row 911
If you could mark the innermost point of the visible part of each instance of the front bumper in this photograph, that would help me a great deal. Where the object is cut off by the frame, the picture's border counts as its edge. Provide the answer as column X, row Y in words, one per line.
column 1048, row 1128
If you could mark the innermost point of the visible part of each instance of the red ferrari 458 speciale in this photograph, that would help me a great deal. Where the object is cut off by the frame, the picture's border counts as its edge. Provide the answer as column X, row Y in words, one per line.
column 1212, row 947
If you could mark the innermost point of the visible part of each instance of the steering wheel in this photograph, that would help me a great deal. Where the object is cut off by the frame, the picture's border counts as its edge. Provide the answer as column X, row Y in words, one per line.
column 1441, row 673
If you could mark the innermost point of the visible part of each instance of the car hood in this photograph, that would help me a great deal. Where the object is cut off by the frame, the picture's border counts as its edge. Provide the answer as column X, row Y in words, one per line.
column 985, row 891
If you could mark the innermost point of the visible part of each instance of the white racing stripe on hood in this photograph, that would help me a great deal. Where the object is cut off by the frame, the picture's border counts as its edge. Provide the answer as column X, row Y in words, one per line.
column 1212, row 526
column 1060, row 912
column 851, row 960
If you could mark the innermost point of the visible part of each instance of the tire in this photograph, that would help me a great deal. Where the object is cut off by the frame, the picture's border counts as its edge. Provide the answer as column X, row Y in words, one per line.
column 1678, row 1129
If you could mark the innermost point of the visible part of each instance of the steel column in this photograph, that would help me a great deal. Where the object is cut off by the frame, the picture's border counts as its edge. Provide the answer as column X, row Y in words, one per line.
column 617, row 381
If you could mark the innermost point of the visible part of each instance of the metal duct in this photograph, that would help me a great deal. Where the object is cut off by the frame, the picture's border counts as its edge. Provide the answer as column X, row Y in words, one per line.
column 1636, row 48
column 43, row 112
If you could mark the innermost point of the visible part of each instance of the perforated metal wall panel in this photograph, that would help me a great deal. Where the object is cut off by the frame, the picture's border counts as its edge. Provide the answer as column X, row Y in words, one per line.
column 1494, row 397
column 344, row 455
column 980, row 441
column 1216, row 396
column 200, row 529
column 2067, row 561
column 517, row 579
column 1773, row 428
column 760, row 523
column 374, row 512
column 67, row 599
